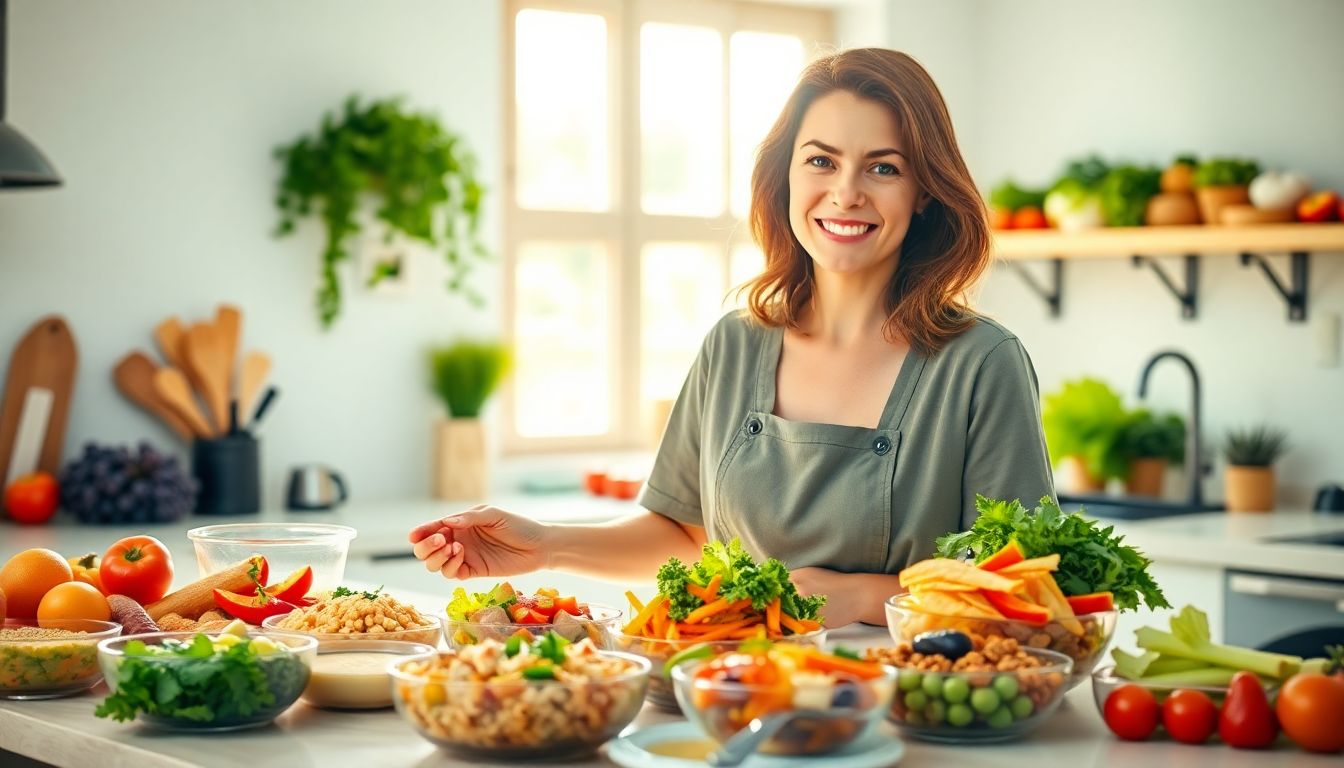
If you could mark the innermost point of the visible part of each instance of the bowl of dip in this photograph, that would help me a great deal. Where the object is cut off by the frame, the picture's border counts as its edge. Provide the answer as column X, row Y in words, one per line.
column 353, row 674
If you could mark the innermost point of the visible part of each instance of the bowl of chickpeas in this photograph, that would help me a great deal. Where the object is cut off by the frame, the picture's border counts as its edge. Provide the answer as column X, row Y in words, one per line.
column 345, row 615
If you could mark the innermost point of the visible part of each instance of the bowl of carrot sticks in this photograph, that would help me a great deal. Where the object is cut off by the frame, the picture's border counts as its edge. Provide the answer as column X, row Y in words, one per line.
column 721, row 600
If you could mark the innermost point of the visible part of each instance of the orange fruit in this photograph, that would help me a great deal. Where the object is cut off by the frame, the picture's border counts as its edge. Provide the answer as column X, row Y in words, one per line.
column 28, row 576
column 73, row 600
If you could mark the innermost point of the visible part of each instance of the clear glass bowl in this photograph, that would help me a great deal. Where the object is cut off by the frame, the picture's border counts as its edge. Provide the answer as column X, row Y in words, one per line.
column 287, row 547
column 352, row 674
column 27, row 670
column 599, row 629
column 1104, row 680
column 426, row 635
column 905, row 621
column 519, row 719
column 286, row 675
column 718, row 708
column 662, row 693
column 980, row 707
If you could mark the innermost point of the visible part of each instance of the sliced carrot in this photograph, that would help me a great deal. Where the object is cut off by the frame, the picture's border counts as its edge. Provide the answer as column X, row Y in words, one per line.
column 634, row 601
column 699, row 592
column 718, row 606
column 658, row 622
column 795, row 626
column 637, row 624
column 712, row 591
column 772, row 617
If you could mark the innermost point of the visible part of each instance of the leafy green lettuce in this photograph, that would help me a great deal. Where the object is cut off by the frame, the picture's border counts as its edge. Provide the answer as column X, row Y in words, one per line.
column 741, row 577
column 1091, row 558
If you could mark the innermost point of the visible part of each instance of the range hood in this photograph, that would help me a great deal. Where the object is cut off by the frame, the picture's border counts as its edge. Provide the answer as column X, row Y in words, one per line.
column 21, row 163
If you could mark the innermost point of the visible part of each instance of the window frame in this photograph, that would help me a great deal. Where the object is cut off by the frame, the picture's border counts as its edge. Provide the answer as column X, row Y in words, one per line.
column 625, row 228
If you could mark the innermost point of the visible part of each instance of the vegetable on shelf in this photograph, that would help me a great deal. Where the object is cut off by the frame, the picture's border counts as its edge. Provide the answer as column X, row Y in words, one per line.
column 1274, row 189
column 1125, row 192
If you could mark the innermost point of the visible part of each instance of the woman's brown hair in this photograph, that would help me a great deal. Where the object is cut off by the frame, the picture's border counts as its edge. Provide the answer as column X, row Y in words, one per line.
column 946, row 248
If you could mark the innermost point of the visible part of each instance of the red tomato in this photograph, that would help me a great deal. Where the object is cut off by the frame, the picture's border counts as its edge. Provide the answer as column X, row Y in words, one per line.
column 1131, row 712
column 1029, row 217
column 569, row 605
column 622, row 487
column 1246, row 721
column 1189, row 716
column 1311, row 711
column 32, row 499
column 138, row 567
column 1000, row 218
column 595, row 482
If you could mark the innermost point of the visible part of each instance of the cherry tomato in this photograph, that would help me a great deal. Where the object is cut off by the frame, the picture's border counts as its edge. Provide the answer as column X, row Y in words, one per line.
column 595, row 481
column 1311, row 711
column 1190, row 717
column 138, row 567
column 32, row 499
column 1131, row 712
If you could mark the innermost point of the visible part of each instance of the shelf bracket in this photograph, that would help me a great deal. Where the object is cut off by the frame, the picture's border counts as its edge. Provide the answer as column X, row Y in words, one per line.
column 1189, row 297
column 1052, row 294
column 1295, row 296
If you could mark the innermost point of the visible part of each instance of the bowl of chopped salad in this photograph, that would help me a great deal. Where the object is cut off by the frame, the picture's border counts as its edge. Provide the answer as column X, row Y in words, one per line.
column 51, row 658
column 527, row 697
column 724, row 598
column 192, row 681
column 835, row 698
column 505, row 612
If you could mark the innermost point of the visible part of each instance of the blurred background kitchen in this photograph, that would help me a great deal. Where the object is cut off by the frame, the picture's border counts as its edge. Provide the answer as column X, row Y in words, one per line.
column 613, row 141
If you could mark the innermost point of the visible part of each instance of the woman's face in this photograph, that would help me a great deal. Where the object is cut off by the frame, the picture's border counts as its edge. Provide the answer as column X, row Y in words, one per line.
column 851, row 195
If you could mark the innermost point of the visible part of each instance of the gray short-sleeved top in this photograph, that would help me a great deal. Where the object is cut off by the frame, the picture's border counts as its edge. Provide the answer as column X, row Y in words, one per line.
column 963, row 421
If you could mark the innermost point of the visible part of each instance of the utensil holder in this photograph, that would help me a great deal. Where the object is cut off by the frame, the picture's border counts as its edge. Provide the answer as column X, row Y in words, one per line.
column 229, row 471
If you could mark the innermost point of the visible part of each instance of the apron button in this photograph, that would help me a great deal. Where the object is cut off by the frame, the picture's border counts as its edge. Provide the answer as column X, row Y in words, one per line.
column 881, row 446
column 754, row 427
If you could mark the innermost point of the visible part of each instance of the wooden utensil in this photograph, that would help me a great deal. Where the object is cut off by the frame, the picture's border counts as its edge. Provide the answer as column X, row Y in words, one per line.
column 169, row 334
column 208, row 369
column 256, row 365
column 229, row 326
column 134, row 376
column 44, row 358
column 173, row 389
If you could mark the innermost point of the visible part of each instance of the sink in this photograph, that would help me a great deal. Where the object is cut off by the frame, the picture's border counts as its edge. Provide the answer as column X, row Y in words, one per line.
column 1328, row 539
column 1131, row 507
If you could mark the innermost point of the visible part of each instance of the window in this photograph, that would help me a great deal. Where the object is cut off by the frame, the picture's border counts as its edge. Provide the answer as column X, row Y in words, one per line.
column 631, row 129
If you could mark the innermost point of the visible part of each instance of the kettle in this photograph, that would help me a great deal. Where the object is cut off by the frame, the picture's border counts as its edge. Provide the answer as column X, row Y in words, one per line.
column 315, row 487
column 1330, row 498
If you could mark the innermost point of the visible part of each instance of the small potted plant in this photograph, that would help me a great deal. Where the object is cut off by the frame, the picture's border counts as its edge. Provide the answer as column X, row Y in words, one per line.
column 464, row 375
column 1151, row 443
column 1248, row 483
column 1220, row 182
column 1083, row 422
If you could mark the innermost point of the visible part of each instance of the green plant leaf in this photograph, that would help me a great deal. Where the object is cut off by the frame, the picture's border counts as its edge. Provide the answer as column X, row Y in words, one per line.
column 466, row 373
column 1085, row 418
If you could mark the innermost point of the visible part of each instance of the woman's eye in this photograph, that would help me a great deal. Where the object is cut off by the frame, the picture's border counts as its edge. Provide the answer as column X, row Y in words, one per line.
column 819, row 161
column 886, row 169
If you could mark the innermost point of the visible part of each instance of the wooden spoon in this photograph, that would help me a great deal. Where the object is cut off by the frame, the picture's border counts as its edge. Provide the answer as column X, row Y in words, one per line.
column 169, row 334
column 229, row 326
column 174, row 390
column 207, row 368
column 134, row 376
column 252, row 374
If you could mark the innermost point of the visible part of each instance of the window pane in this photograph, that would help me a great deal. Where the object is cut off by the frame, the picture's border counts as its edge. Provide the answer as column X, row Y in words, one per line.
column 561, row 92
column 763, row 69
column 681, row 120
column 682, row 297
column 745, row 263
column 562, row 356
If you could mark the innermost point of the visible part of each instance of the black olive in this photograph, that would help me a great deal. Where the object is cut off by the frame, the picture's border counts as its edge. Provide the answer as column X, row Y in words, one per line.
column 947, row 643
column 844, row 696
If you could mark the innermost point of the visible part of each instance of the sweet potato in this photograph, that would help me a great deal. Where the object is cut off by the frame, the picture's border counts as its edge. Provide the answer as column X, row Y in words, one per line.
column 130, row 615
column 199, row 596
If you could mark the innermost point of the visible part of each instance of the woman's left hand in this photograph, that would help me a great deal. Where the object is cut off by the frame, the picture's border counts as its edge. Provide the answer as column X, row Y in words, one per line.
column 845, row 602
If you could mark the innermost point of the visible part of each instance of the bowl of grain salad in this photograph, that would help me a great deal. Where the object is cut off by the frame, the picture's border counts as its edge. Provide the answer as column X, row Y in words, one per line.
column 51, row 659
column 519, row 699
column 346, row 614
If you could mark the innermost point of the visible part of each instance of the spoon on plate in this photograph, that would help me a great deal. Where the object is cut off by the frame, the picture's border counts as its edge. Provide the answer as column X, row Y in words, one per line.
column 745, row 742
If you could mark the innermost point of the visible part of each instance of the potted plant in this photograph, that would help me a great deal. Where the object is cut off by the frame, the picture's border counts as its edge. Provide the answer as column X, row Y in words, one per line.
column 1248, row 484
column 1150, row 443
column 464, row 375
column 1083, row 423
column 1220, row 182
column 419, row 178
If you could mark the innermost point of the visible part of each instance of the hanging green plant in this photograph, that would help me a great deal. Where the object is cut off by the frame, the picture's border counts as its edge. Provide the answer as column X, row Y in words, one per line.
column 422, row 176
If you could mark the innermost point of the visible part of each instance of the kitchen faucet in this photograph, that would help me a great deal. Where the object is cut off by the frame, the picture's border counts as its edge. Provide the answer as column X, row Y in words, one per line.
column 1192, row 448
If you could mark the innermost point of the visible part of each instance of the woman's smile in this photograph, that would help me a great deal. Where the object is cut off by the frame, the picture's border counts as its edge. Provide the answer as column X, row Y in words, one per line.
column 846, row 230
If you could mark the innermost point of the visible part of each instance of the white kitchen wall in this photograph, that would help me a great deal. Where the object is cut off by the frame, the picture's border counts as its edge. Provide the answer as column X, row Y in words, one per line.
column 162, row 117
column 1033, row 83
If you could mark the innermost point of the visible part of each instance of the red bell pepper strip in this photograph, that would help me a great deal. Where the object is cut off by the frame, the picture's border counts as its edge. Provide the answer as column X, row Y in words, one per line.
column 252, row 609
column 1014, row 607
column 1093, row 603
column 292, row 589
column 1010, row 554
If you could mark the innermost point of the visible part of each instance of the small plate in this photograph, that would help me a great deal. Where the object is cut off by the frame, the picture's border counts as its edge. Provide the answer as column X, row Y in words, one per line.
column 876, row 750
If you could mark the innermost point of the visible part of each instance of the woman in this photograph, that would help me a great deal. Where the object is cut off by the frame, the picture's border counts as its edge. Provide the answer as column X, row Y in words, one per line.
column 852, row 414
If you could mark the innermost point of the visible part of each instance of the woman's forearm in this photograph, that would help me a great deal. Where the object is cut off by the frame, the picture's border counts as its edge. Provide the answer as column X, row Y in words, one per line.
column 876, row 588
column 628, row 549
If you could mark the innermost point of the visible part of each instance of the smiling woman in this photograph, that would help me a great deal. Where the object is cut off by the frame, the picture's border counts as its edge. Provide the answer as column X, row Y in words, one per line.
column 853, row 412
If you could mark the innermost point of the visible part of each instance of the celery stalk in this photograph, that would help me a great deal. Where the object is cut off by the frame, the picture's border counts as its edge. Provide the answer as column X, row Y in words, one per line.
column 1132, row 666
column 1219, row 676
column 1166, row 665
column 1272, row 665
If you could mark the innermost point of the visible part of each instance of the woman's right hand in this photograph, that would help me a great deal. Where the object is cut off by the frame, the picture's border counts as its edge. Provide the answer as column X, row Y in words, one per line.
column 480, row 541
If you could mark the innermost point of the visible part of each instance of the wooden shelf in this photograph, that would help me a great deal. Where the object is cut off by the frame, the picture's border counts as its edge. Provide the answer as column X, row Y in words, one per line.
column 1109, row 242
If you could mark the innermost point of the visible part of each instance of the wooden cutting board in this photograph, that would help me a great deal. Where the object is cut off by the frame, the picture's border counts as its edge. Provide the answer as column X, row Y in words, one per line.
column 46, row 358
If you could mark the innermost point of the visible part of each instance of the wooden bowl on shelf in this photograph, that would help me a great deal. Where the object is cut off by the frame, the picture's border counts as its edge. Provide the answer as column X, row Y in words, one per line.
column 1249, row 215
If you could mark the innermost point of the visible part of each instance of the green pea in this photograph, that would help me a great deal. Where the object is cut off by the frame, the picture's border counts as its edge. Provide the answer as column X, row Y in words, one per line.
column 932, row 686
column 915, row 700
column 985, row 700
column 1001, row 718
column 956, row 690
column 935, row 712
column 960, row 715
column 910, row 680
column 1022, row 707
column 1006, row 686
